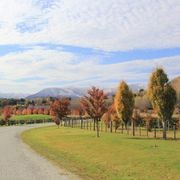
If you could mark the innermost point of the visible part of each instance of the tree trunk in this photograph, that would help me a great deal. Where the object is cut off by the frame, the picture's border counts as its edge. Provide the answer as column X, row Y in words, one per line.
column 94, row 124
column 133, row 127
column 111, row 126
column 174, row 128
column 164, row 123
column 97, row 127
column 122, row 128
column 81, row 123
column 155, row 131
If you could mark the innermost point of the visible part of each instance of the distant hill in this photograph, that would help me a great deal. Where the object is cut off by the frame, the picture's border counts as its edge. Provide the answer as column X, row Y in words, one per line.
column 73, row 92
column 176, row 85
column 13, row 95
column 59, row 92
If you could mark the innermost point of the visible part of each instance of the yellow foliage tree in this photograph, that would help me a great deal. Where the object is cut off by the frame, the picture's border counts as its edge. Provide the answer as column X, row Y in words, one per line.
column 124, row 103
column 162, row 96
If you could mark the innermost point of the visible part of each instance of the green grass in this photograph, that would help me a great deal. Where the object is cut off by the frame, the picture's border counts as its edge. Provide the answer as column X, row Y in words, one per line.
column 112, row 156
column 30, row 117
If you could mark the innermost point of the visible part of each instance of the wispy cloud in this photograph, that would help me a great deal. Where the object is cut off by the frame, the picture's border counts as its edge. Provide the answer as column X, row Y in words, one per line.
column 108, row 25
column 84, row 42
column 38, row 68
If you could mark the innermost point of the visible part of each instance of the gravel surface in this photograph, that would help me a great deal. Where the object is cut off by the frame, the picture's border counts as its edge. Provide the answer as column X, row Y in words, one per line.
column 19, row 162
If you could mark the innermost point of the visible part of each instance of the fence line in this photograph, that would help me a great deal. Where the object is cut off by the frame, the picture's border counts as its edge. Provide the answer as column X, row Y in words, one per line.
column 139, row 130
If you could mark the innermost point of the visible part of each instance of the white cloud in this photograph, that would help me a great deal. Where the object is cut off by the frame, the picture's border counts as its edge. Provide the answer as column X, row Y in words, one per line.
column 108, row 25
column 32, row 70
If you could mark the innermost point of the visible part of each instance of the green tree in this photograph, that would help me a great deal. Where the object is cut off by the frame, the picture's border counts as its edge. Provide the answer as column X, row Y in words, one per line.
column 124, row 103
column 162, row 96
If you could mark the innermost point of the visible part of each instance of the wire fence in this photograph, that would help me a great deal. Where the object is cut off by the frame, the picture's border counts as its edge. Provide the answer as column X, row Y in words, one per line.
column 173, row 132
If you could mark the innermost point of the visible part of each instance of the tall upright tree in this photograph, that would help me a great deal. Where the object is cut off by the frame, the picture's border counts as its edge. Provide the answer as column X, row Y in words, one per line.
column 59, row 109
column 162, row 96
column 124, row 103
column 95, row 105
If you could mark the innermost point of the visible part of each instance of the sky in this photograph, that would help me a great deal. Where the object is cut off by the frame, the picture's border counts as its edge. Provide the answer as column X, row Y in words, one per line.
column 80, row 43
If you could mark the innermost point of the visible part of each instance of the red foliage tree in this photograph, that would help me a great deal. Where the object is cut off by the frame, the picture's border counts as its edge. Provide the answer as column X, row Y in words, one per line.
column 35, row 111
column 95, row 105
column 60, row 109
column 46, row 111
column 7, row 113
column 29, row 111
column 41, row 111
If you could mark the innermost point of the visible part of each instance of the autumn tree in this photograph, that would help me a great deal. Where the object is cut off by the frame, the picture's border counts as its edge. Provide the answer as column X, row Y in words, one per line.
column 60, row 109
column 111, row 116
column 18, row 112
column 24, row 111
column 124, row 103
column 41, row 111
column 35, row 111
column 29, row 111
column 94, row 104
column 162, row 96
column 7, row 113
column 46, row 111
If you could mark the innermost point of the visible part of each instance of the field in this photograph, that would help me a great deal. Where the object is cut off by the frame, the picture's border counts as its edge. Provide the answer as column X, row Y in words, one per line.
column 27, row 119
column 30, row 117
column 112, row 156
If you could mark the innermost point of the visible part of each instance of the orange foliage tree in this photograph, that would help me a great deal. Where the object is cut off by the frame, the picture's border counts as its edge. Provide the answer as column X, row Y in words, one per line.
column 41, row 111
column 18, row 112
column 35, row 111
column 24, row 112
column 46, row 111
column 95, row 105
column 111, row 116
column 29, row 111
column 124, row 103
column 7, row 113
column 60, row 109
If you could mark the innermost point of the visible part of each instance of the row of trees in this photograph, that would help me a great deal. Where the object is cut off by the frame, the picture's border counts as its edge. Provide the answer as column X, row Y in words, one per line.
column 160, row 93
column 27, row 111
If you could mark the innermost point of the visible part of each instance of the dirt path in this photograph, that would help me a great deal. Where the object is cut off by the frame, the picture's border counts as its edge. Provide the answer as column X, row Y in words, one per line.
column 19, row 162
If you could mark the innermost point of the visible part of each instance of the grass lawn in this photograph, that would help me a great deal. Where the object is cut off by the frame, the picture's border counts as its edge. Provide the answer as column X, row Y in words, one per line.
column 112, row 156
column 30, row 117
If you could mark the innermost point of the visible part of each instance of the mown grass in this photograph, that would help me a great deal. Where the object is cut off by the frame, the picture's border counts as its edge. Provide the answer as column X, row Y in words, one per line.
column 112, row 156
column 30, row 117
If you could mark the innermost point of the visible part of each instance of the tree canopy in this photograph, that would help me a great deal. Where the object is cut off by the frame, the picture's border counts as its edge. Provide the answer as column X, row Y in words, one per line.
column 124, row 102
column 162, row 96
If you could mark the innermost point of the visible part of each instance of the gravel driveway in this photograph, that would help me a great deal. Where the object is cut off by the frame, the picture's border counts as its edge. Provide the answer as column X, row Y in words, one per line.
column 19, row 162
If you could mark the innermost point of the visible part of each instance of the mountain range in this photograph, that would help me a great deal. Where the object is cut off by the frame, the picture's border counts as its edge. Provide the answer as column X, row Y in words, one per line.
column 75, row 92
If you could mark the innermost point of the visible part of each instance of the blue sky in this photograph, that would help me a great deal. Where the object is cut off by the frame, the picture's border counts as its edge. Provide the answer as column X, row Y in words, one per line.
column 53, row 43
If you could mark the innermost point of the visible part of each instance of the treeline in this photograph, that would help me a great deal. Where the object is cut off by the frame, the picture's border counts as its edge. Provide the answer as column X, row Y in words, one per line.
column 31, row 110
column 25, row 102
column 161, row 100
